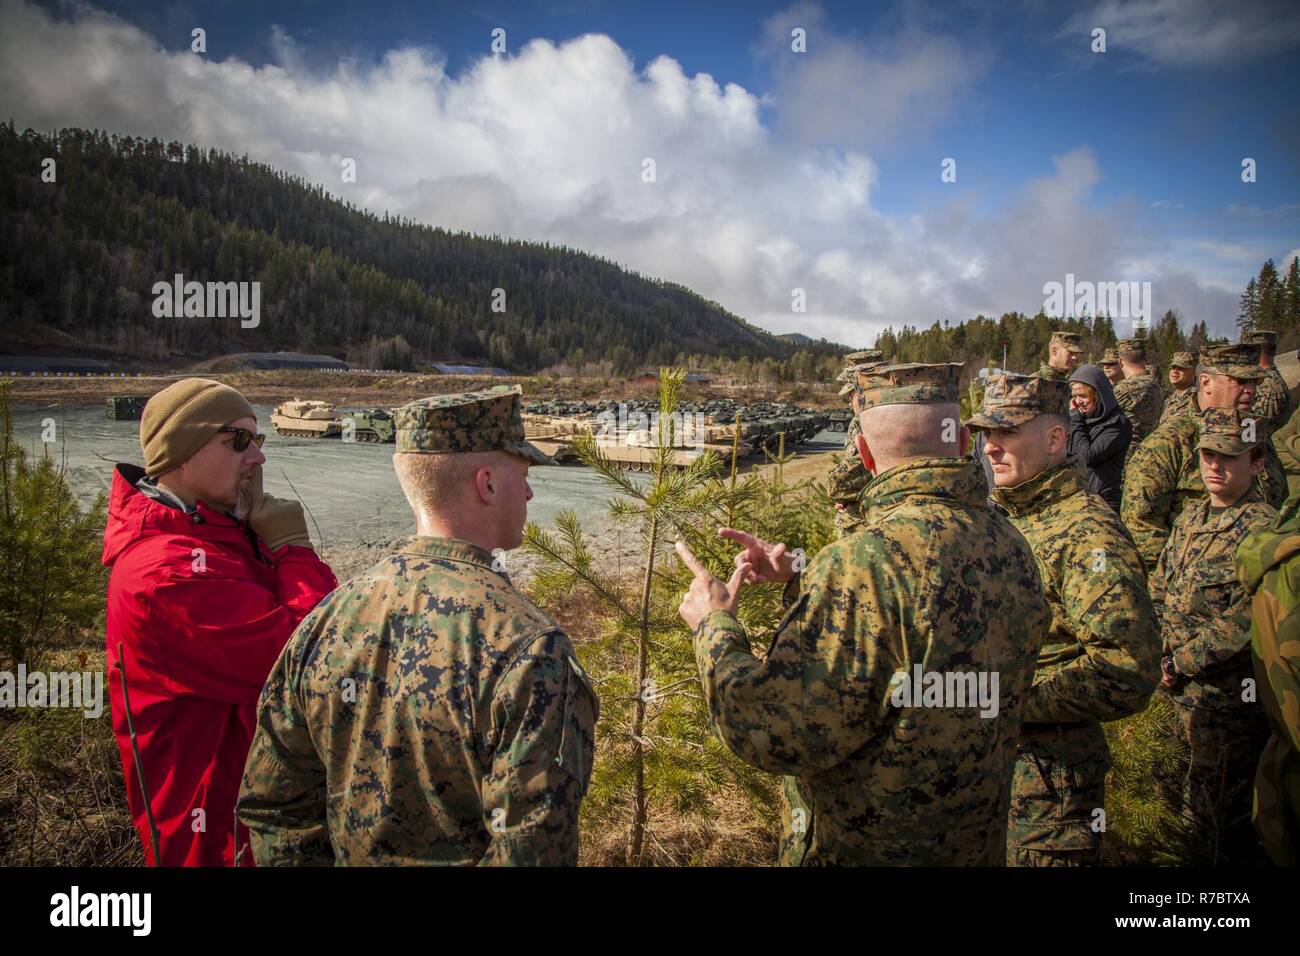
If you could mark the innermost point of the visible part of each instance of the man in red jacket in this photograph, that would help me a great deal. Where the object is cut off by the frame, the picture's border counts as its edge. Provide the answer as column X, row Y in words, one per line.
column 209, row 578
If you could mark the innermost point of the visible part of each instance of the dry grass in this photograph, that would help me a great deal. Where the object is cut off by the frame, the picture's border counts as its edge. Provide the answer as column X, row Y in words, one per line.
column 62, row 796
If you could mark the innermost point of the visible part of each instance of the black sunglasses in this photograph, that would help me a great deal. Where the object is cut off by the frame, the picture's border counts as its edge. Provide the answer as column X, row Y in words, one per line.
column 242, row 437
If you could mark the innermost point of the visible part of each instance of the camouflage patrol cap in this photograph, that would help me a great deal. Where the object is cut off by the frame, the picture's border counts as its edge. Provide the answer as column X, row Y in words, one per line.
column 1230, row 431
column 913, row 383
column 465, row 421
column 1183, row 360
column 1239, row 361
column 866, row 359
column 1069, row 339
column 1133, row 349
column 1260, row 337
column 1012, row 399
column 1109, row 357
column 866, row 355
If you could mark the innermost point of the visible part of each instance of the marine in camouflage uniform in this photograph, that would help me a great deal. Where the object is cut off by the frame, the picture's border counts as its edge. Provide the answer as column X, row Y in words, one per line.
column 1273, row 396
column 426, row 712
column 1286, row 443
column 1267, row 565
column 1138, row 395
column 1069, row 341
column 1097, row 660
column 1165, row 475
column 1110, row 367
column 933, row 578
column 847, row 477
column 1180, row 399
column 1204, row 616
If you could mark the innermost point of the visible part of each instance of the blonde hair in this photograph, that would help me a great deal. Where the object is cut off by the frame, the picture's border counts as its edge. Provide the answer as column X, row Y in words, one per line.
column 436, row 482
column 1093, row 397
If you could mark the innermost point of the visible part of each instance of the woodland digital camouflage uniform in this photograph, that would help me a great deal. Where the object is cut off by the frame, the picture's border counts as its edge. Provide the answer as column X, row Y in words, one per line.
column 1286, row 443
column 1165, row 474
column 425, row 712
column 1071, row 341
column 932, row 577
column 1272, row 396
column 1098, row 658
column 1204, row 616
column 1139, row 396
column 1179, row 400
column 1267, row 565
column 848, row 476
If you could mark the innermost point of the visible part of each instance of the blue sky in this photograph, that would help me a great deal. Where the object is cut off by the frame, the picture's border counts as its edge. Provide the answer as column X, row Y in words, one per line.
column 1117, row 165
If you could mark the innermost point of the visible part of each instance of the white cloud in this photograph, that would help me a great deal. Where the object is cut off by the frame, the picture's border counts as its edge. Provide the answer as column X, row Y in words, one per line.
column 548, row 144
column 866, row 92
column 1192, row 33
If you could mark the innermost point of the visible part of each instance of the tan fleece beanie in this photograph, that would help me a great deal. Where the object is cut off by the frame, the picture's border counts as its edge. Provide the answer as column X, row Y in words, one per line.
column 180, row 419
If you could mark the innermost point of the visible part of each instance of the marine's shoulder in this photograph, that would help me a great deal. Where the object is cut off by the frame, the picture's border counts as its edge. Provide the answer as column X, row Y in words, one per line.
column 1084, row 523
column 1255, row 515
column 437, row 587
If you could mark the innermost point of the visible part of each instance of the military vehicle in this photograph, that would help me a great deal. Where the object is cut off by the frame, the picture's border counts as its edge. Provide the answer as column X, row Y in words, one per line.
column 307, row 419
column 125, row 408
column 374, row 425
column 838, row 420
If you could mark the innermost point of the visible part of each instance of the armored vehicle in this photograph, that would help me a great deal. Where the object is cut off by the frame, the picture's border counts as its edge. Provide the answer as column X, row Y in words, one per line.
column 307, row 419
column 125, row 408
column 374, row 425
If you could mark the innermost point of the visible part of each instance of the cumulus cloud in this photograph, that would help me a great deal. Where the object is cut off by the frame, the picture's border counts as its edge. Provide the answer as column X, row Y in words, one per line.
column 551, row 144
column 846, row 89
column 1192, row 33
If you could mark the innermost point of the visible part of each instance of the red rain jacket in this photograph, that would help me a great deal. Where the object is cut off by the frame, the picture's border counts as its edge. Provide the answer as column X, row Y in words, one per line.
column 202, row 610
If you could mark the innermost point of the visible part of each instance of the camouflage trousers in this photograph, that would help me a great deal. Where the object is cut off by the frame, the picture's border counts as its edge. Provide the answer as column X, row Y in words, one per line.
column 1057, row 789
column 1223, row 751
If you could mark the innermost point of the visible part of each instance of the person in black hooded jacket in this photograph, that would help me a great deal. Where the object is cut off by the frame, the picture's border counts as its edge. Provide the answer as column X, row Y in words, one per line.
column 1100, row 432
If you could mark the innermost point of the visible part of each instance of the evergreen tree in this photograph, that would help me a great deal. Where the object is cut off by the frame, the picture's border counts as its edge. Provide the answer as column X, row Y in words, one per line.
column 1248, row 313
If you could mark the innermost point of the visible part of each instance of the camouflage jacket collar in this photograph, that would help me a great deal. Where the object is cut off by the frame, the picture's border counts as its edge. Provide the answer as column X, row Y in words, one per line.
column 1201, row 521
column 958, row 479
column 451, row 549
column 1044, row 489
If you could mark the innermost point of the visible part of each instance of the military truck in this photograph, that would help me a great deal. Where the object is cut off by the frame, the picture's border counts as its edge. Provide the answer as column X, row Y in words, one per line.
column 125, row 408
column 374, row 426
column 302, row 418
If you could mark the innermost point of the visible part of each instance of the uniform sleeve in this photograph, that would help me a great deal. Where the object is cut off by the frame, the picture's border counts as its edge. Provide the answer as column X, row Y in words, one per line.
column 544, row 716
column 1104, row 590
column 1275, row 640
column 819, row 693
column 282, row 799
column 1273, row 481
column 223, row 632
column 1159, row 581
column 1218, row 640
column 1150, row 480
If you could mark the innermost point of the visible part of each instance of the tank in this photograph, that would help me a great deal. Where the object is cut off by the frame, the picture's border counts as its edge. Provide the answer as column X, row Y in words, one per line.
column 125, row 408
column 302, row 418
column 374, row 426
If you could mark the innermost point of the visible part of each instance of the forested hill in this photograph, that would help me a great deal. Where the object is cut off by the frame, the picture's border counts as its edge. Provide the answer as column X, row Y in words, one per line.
column 79, row 257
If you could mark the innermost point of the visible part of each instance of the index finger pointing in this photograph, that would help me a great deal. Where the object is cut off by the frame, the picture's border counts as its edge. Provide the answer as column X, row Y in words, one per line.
column 742, row 538
column 691, row 561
